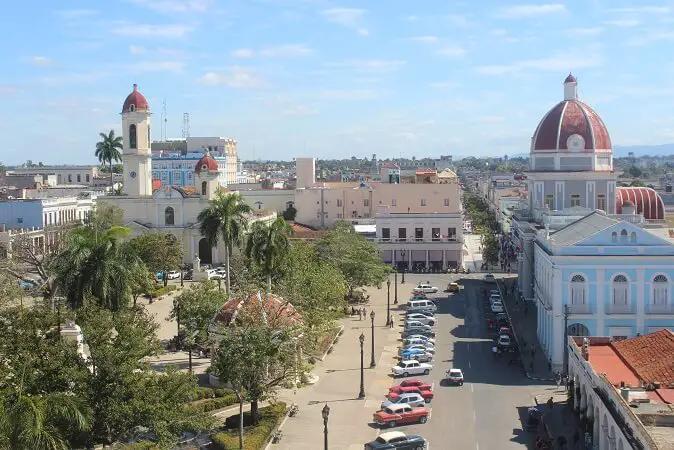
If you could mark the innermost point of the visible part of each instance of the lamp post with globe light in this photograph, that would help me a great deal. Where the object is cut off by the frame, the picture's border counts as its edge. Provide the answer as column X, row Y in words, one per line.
column 361, row 394
column 388, row 302
column 325, row 412
column 372, row 361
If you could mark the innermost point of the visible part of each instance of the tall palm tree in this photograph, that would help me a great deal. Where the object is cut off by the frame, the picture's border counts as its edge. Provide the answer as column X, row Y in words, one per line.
column 226, row 218
column 97, row 264
column 41, row 422
column 268, row 244
column 109, row 149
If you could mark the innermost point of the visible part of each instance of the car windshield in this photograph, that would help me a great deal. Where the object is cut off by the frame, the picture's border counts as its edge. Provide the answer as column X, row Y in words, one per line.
column 455, row 372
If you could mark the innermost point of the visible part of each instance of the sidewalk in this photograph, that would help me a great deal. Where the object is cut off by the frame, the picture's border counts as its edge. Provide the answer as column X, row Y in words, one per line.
column 560, row 420
column 523, row 320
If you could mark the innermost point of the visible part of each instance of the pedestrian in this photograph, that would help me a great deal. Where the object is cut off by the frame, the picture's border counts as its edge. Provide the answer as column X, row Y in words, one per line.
column 360, row 314
column 364, row 313
column 391, row 323
column 550, row 364
column 551, row 403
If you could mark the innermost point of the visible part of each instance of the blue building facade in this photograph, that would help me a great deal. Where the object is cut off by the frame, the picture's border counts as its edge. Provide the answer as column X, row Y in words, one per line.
column 603, row 277
column 178, row 170
column 15, row 214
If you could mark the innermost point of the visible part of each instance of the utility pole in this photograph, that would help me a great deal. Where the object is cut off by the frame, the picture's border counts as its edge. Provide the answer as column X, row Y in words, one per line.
column 566, row 339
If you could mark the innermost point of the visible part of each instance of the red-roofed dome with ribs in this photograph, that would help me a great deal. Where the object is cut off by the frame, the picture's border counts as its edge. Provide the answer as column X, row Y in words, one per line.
column 571, row 126
column 206, row 163
column 645, row 200
column 267, row 308
column 135, row 101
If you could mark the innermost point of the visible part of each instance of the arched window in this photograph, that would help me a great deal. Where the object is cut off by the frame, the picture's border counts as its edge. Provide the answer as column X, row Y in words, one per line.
column 633, row 236
column 132, row 107
column 132, row 136
column 614, row 237
column 620, row 290
column 578, row 290
column 169, row 217
column 204, row 187
column 623, row 236
column 660, row 290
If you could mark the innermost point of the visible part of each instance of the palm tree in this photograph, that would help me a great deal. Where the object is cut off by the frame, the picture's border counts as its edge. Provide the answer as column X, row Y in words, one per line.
column 268, row 245
column 97, row 264
column 41, row 422
column 108, row 149
column 225, row 218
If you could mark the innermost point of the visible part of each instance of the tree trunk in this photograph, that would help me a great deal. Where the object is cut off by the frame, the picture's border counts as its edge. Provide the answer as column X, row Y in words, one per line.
column 190, row 357
column 240, row 399
column 227, row 285
column 268, row 283
column 254, row 410
column 112, row 180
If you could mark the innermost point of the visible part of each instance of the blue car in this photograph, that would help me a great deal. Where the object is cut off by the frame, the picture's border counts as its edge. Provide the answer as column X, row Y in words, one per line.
column 416, row 354
column 27, row 285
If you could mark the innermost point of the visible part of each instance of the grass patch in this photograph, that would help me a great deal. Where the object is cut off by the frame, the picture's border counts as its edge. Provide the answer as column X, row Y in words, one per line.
column 162, row 291
column 254, row 437
column 324, row 341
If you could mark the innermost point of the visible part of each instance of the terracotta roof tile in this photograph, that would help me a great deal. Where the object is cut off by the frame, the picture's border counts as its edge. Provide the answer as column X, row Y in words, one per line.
column 650, row 356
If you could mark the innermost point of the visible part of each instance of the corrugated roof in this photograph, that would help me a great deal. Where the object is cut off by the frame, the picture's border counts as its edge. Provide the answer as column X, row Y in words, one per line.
column 581, row 229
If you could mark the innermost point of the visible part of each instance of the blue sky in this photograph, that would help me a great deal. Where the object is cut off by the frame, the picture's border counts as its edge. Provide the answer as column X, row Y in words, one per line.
column 331, row 78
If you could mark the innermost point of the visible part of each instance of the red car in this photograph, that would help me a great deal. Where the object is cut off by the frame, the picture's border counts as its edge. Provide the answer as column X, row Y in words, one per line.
column 412, row 382
column 395, row 391
column 400, row 415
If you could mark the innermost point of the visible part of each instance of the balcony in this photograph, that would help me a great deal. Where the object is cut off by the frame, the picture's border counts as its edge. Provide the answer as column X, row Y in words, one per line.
column 451, row 240
column 579, row 309
column 620, row 309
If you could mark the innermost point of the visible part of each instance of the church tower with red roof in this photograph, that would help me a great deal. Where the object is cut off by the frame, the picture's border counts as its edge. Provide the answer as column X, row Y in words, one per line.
column 137, row 157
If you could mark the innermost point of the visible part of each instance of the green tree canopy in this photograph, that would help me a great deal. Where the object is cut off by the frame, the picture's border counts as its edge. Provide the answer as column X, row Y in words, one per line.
column 109, row 149
column 195, row 307
column 160, row 252
column 267, row 246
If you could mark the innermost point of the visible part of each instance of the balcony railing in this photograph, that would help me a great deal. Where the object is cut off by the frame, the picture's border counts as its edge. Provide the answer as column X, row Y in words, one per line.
column 416, row 240
column 620, row 309
column 579, row 309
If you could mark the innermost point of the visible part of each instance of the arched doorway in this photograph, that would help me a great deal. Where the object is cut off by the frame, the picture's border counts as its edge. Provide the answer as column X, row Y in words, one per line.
column 205, row 252
column 577, row 329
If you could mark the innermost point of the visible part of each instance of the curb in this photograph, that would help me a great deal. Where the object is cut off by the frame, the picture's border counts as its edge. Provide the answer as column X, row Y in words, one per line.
column 332, row 344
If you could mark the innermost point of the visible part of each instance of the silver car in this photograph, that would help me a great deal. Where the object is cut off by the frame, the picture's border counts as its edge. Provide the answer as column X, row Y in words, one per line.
column 411, row 398
column 419, row 317
column 416, row 326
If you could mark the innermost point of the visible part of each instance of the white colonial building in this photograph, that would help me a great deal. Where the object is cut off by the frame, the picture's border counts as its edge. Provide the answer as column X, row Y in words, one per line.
column 584, row 243
column 170, row 209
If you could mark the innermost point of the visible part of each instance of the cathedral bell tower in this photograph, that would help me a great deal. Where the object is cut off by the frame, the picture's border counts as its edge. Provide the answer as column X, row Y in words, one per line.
column 206, row 175
column 136, row 157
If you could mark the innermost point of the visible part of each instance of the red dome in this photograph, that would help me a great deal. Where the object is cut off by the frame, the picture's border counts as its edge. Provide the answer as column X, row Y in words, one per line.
column 568, row 118
column 206, row 163
column 645, row 199
column 270, row 308
column 135, row 101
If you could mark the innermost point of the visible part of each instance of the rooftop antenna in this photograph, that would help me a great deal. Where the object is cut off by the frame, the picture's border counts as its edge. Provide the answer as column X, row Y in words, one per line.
column 164, row 119
column 186, row 125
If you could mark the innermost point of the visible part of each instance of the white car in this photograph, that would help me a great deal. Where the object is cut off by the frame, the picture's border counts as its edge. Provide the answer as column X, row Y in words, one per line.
column 419, row 296
column 495, row 298
column 497, row 307
column 504, row 340
column 489, row 278
column 494, row 292
column 426, row 288
column 417, row 355
column 410, row 367
column 172, row 275
column 454, row 376
column 425, row 347
column 419, row 317
column 418, row 339
column 415, row 325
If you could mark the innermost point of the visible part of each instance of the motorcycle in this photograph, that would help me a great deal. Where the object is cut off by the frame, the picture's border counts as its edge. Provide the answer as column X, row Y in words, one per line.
column 294, row 409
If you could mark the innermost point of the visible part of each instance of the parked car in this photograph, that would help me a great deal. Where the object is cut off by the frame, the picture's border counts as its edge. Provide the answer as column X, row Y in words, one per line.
column 411, row 367
column 504, row 340
column 172, row 275
column 497, row 307
column 396, row 440
column 400, row 414
column 417, row 354
column 27, row 285
column 418, row 339
column 425, row 347
column 453, row 287
column 454, row 376
column 159, row 276
column 419, row 296
column 408, row 398
column 426, row 394
column 495, row 292
column 494, row 298
column 426, row 288
column 420, row 317
column 489, row 278
column 188, row 275
column 416, row 326
column 418, row 332
column 411, row 383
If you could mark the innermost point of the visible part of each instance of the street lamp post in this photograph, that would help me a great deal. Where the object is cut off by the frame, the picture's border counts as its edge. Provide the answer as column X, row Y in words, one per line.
column 361, row 394
column 403, row 253
column 372, row 361
column 326, row 413
column 388, row 302
column 395, row 287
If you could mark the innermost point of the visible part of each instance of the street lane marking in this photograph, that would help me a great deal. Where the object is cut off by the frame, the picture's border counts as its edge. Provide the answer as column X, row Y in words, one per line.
column 474, row 417
column 471, row 387
column 469, row 366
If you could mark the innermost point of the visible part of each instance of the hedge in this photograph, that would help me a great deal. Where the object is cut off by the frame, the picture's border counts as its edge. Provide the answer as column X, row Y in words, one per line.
column 201, row 393
column 254, row 438
column 215, row 403
column 163, row 291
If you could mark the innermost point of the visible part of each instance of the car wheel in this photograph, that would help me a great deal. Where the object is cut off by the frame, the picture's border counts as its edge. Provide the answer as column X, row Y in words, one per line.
column 405, row 374
column 427, row 400
column 419, row 448
column 426, row 371
column 431, row 323
column 423, row 419
column 392, row 424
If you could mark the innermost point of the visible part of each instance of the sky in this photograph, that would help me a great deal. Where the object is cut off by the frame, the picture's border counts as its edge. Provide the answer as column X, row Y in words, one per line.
column 331, row 78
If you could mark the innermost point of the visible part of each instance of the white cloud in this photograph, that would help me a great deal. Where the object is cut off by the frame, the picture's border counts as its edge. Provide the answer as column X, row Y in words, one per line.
column 348, row 17
column 623, row 23
column 234, row 77
column 300, row 110
column 643, row 9
column 287, row 51
column 425, row 39
column 41, row 61
column 137, row 49
column 242, row 53
column 151, row 31
column 590, row 31
column 559, row 63
column 175, row 6
column 455, row 51
column 524, row 11
column 157, row 66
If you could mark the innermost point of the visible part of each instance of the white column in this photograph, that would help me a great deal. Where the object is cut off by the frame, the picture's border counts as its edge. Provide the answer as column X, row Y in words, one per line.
column 640, row 307
column 427, row 257
column 444, row 260
column 600, row 314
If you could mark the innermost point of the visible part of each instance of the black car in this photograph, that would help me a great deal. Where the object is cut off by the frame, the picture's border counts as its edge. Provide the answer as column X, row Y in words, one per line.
column 397, row 440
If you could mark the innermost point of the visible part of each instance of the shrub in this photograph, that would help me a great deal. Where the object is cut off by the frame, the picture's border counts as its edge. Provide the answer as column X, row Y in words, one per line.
column 254, row 438
column 201, row 393
column 162, row 291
